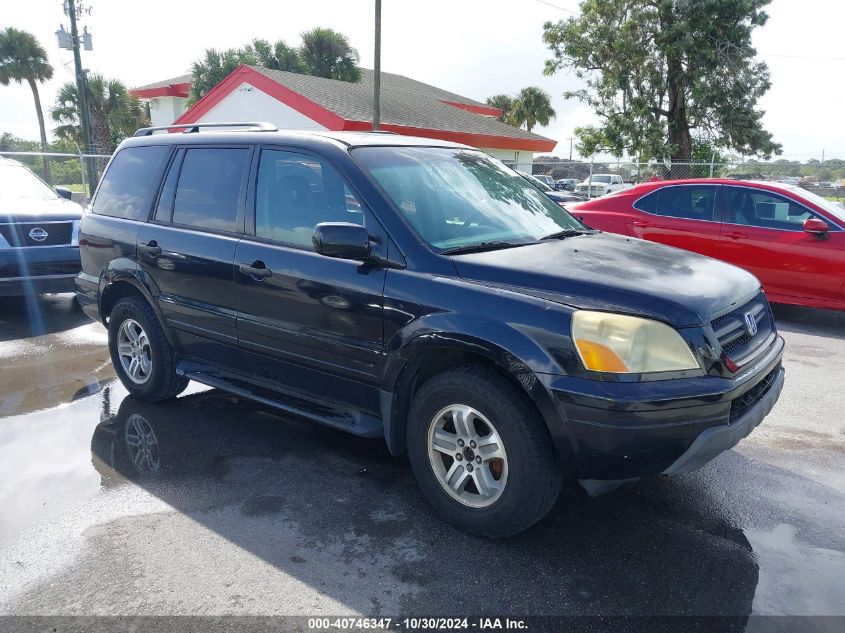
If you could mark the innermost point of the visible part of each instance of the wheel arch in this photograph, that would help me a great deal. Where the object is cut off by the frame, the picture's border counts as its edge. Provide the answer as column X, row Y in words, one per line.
column 428, row 355
column 115, row 285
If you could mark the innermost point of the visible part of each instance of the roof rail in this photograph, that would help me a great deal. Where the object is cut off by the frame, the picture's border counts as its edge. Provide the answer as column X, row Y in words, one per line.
column 257, row 126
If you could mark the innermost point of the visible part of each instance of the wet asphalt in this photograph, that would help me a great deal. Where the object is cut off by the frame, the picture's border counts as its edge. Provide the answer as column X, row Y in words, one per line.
column 235, row 509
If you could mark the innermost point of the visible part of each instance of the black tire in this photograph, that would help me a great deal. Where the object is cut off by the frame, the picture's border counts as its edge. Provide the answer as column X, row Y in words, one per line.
column 163, row 382
column 534, row 473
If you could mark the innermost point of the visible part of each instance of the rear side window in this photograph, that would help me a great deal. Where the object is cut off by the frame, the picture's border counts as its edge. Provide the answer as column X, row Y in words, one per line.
column 130, row 182
column 691, row 202
column 209, row 186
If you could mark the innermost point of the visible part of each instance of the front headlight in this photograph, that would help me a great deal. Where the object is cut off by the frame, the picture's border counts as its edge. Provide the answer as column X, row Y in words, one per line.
column 623, row 344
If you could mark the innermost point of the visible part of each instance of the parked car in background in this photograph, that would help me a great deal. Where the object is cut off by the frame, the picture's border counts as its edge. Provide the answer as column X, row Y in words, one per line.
column 545, row 179
column 454, row 311
column 601, row 185
column 823, row 184
column 566, row 184
column 792, row 239
column 39, row 229
column 563, row 198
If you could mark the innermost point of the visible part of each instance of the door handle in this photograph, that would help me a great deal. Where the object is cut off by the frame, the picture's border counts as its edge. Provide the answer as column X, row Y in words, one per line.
column 151, row 248
column 736, row 235
column 257, row 270
column 643, row 223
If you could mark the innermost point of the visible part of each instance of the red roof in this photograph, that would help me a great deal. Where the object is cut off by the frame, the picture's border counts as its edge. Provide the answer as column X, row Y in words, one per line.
column 175, row 87
column 407, row 107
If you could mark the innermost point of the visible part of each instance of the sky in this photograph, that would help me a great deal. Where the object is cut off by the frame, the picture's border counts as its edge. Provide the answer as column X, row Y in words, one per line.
column 475, row 48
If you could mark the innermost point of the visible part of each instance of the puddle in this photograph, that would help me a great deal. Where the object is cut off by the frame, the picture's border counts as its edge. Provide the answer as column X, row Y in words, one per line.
column 796, row 578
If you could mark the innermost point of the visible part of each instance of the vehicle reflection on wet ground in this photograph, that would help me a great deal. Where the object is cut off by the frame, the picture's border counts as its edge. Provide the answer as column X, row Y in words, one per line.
column 210, row 504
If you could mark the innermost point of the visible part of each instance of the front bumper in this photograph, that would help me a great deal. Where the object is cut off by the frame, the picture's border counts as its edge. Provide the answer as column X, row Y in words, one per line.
column 718, row 439
column 38, row 270
column 617, row 431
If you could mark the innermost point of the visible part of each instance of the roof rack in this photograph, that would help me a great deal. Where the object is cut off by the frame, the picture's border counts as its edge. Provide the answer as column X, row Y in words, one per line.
column 187, row 128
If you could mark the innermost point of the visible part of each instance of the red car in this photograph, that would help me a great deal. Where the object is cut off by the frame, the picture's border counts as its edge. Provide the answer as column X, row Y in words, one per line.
column 791, row 239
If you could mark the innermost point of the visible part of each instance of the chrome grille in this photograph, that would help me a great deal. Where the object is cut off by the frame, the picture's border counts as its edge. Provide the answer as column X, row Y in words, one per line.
column 733, row 333
column 57, row 233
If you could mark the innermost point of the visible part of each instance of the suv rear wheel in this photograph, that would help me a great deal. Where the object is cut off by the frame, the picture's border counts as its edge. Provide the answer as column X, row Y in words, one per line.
column 140, row 353
column 480, row 452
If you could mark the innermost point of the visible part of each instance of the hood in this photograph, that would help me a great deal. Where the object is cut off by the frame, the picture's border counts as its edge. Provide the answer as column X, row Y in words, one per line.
column 612, row 272
column 31, row 210
column 564, row 196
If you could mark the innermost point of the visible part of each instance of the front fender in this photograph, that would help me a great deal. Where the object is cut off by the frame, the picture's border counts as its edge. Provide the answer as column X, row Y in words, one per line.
column 506, row 345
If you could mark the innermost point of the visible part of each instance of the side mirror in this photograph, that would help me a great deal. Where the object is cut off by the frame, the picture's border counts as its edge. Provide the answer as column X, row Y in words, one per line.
column 65, row 193
column 816, row 226
column 344, row 240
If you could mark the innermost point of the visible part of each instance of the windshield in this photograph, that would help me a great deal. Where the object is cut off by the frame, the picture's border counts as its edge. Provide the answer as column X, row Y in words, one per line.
column 828, row 205
column 19, row 182
column 461, row 197
column 605, row 179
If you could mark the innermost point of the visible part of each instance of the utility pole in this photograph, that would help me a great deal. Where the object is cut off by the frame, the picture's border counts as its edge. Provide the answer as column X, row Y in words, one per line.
column 72, row 12
column 570, row 139
column 377, row 70
column 822, row 158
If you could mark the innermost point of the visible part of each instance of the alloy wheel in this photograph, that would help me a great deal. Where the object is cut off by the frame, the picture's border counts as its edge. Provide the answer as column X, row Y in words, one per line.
column 133, row 349
column 467, row 456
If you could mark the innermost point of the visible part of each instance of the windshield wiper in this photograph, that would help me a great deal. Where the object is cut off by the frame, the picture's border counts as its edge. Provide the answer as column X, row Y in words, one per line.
column 566, row 233
column 481, row 247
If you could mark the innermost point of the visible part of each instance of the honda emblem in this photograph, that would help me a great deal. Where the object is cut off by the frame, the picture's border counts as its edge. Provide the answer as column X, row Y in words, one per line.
column 750, row 324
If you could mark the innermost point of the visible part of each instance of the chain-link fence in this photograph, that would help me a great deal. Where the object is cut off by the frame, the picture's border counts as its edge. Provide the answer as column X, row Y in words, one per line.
column 78, row 172
column 598, row 177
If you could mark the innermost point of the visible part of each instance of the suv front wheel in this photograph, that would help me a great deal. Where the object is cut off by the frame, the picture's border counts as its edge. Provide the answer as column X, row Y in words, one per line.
column 140, row 353
column 480, row 452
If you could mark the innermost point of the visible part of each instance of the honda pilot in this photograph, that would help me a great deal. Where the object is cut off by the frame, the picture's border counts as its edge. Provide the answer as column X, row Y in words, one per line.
column 420, row 291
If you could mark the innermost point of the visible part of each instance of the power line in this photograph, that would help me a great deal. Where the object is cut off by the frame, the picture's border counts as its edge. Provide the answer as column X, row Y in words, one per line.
column 554, row 6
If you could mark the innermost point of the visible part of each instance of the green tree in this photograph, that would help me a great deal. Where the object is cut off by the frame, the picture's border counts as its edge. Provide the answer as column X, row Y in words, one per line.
column 22, row 58
column 327, row 53
column 503, row 103
column 657, row 69
column 278, row 56
column 324, row 53
column 115, row 114
column 214, row 67
column 532, row 106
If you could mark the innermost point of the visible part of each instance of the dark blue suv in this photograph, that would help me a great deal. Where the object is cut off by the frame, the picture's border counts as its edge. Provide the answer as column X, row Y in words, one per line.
column 422, row 292
column 39, row 230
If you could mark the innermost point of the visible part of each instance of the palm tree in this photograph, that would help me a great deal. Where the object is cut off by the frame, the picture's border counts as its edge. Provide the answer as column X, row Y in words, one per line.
column 324, row 53
column 214, row 67
column 278, row 56
column 327, row 53
column 22, row 58
column 503, row 103
column 115, row 114
column 532, row 106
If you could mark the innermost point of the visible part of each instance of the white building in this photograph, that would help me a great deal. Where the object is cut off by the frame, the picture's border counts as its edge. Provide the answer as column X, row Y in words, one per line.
column 296, row 101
